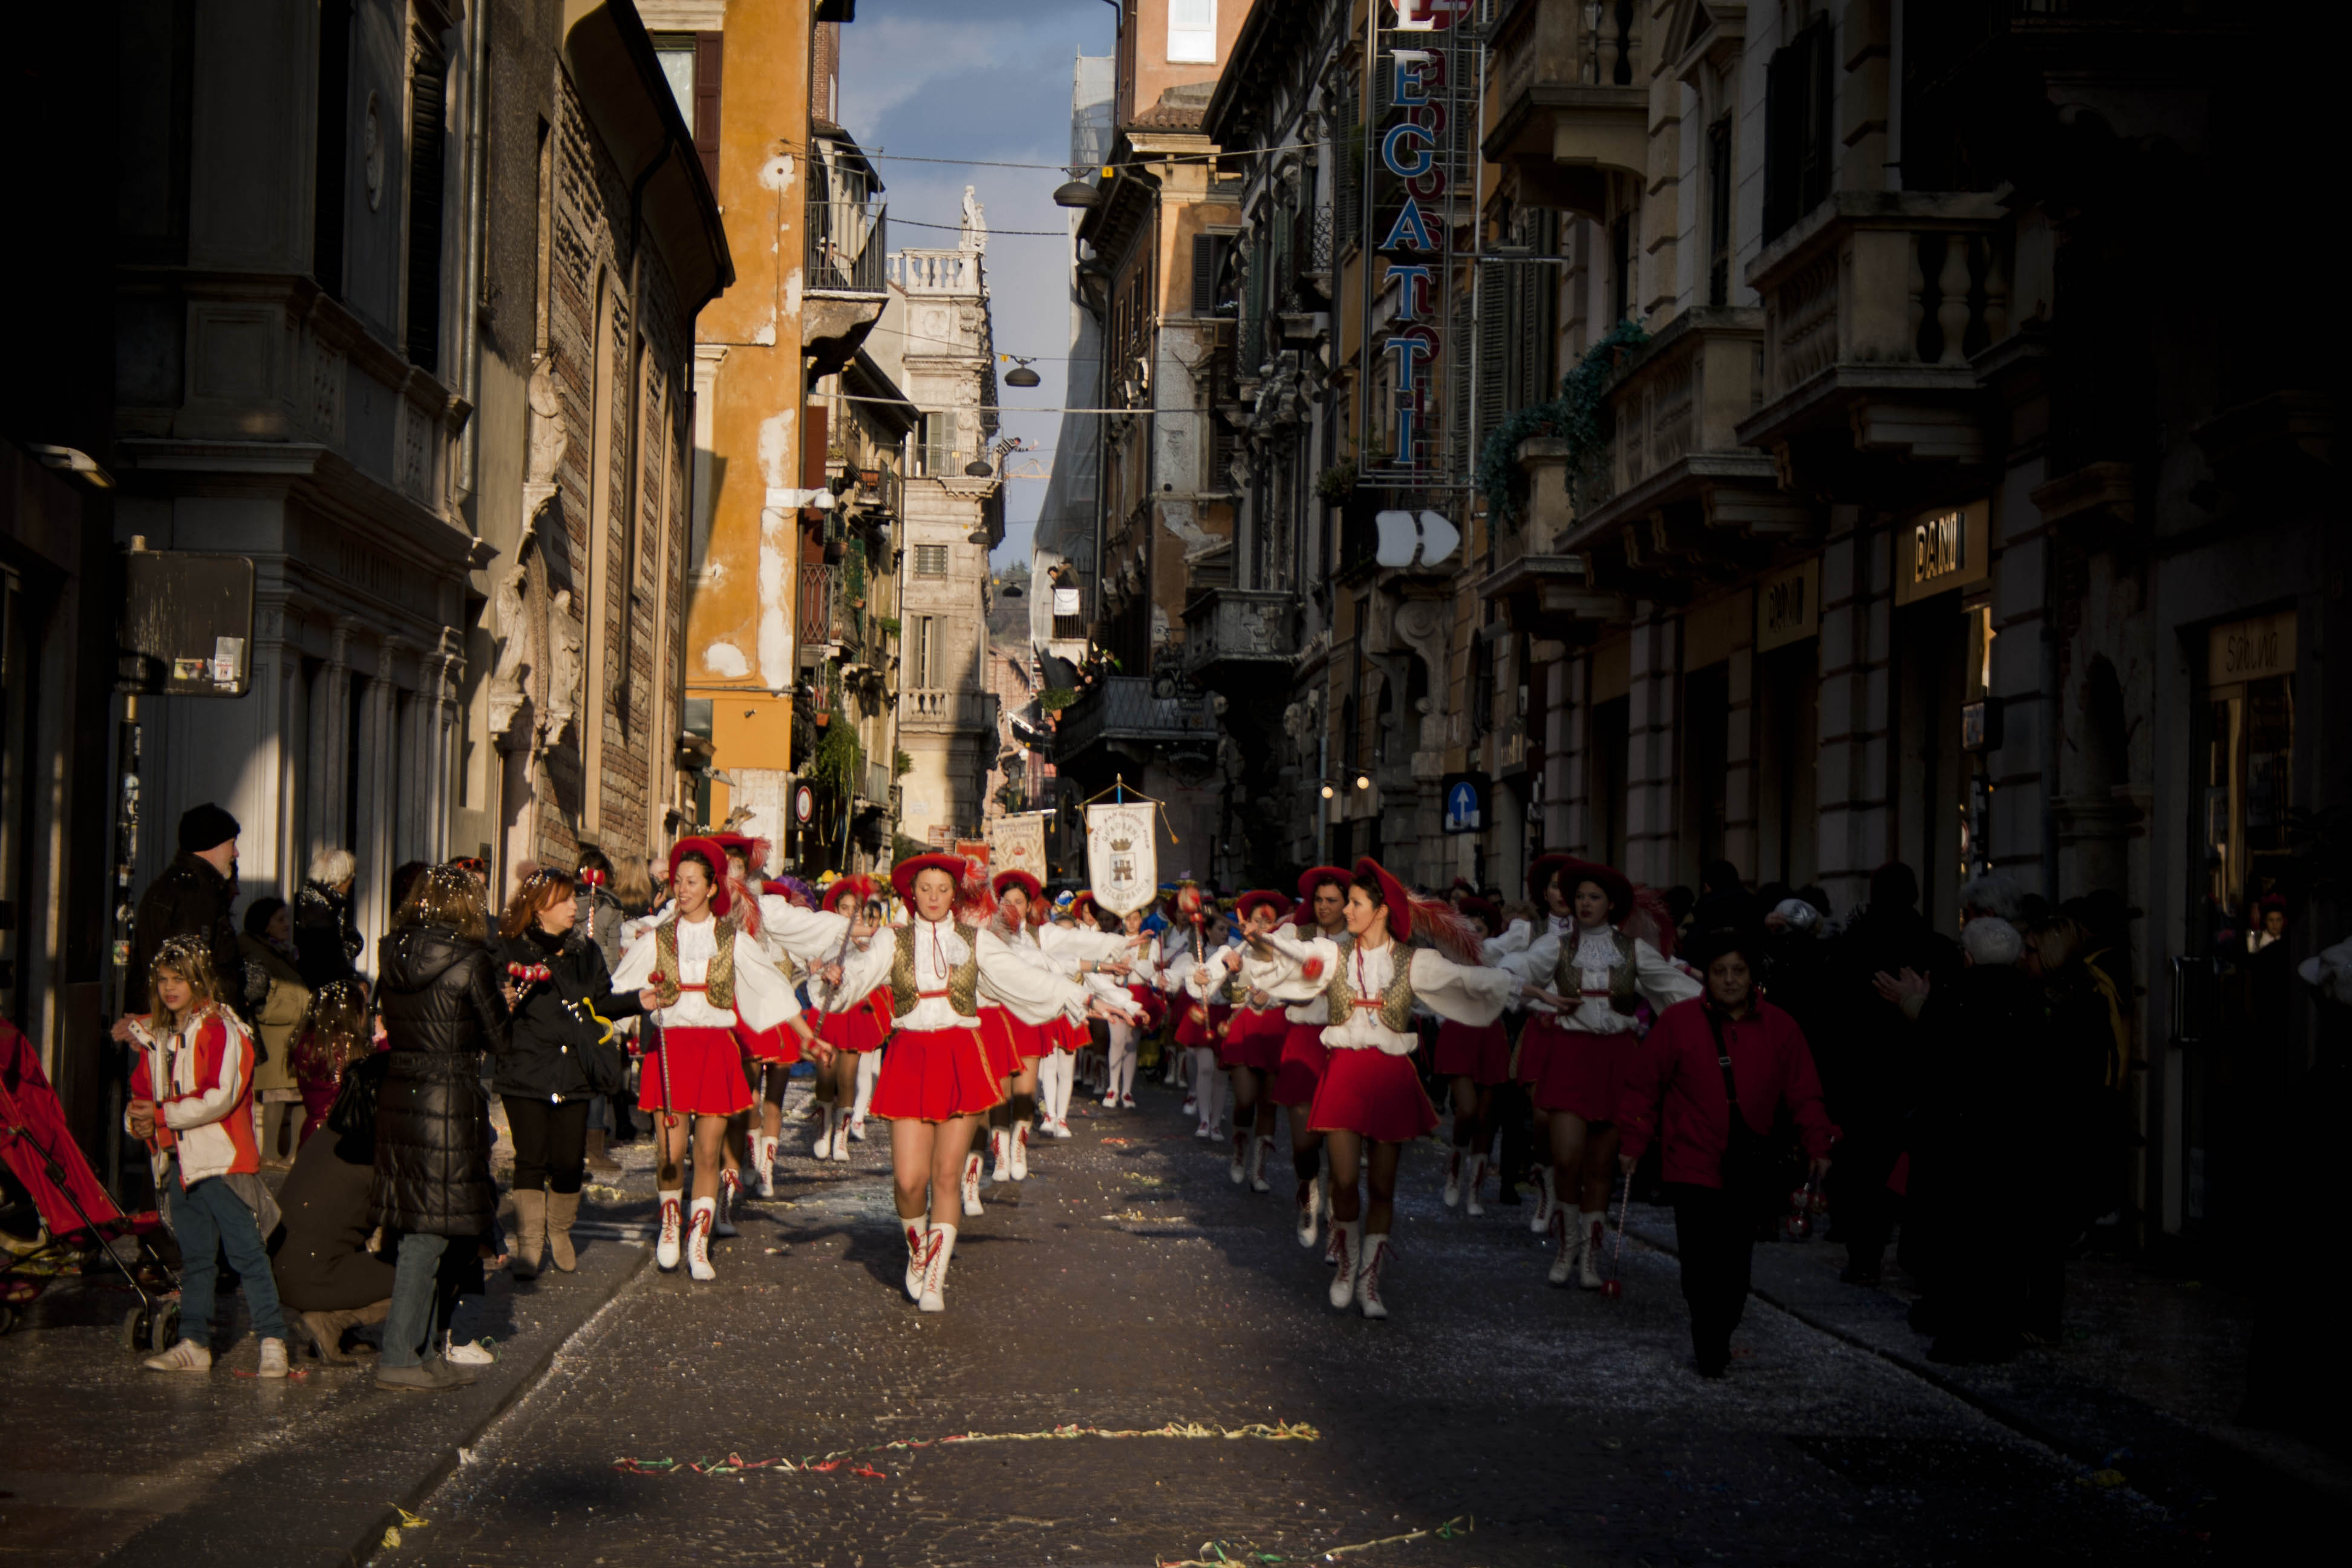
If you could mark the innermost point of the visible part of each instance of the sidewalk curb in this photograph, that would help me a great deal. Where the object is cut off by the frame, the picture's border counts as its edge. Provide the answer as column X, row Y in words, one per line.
column 371, row 1543
column 2018, row 1422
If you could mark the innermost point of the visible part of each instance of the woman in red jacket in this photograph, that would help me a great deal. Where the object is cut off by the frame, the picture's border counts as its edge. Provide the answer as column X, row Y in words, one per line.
column 1678, row 1092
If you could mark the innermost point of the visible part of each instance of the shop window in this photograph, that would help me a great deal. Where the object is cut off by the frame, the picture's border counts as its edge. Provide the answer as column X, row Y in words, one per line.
column 931, row 561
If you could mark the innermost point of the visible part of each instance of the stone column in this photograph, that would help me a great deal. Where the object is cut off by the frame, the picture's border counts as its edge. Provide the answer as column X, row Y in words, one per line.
column 327, row 826
column 1565, row 690
column 1651, row 728
column 1855, row 710
column 1739, row 837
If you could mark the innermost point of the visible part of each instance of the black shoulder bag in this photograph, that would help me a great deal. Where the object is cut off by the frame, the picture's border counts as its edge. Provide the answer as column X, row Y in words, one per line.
column 1755, row 1165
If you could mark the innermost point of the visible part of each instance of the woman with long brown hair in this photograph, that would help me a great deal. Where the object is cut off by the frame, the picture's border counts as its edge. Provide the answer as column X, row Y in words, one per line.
column 563, row 1002
column 1322, row 915
column 1370, row 1102
column 707, row 984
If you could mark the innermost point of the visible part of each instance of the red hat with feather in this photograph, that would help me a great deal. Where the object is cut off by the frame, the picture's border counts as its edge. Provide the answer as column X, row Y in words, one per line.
column 1432, row 920
column 1571, row 870
column 856, row 891
column 971, row 888
column 1264, row 898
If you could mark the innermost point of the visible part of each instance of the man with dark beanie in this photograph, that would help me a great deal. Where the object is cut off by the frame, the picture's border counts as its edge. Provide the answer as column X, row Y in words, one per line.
column 192, row 898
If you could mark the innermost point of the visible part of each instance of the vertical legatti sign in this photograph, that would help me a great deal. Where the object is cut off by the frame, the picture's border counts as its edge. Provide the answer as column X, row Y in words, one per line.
column 1422, row 91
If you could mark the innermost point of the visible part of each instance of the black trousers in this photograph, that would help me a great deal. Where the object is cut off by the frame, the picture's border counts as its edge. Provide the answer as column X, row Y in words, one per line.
column 1717, row 1244
column 551, row 1143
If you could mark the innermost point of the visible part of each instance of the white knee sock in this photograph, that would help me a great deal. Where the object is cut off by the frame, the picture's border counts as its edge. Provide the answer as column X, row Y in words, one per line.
column 1065, row 1069
column 869, row 1067
column 1209, row 1083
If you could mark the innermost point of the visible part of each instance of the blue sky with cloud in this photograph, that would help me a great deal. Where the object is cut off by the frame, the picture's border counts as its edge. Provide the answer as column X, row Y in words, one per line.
column 982, row 79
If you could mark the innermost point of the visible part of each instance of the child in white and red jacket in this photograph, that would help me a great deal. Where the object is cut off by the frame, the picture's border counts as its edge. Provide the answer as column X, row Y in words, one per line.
column 192, row 1103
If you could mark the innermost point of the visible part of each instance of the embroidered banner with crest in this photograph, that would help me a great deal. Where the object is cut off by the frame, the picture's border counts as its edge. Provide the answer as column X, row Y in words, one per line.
column 1123, row 854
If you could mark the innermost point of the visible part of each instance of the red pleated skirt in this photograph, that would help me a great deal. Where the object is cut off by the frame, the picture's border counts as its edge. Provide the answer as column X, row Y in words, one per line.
column 1584, row 1074
column 1066, row 1035
column 1004, row 1040
column 1481, row 1052
column 1374, row 1094
column 1154, row 1004
column 1541, row 1035
column 1193, row 1022
column 696, row 1071
column 1299, row 1070
column 780, row 1046
column 1254, row 1039
column 933, row 1075
column 861, row 1026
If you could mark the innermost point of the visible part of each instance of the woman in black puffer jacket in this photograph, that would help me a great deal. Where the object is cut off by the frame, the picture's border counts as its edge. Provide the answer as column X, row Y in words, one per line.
column 546, row 1077
column 438, row 989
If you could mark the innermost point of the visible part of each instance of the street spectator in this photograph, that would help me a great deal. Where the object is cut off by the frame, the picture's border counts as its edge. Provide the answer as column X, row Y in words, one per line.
column 404, row 880
column 191, row 1104
column 319, row 1255
column 1986, row 1121
column 543, row 1075
column 438, row 989
column 601, row 918
column 333, row 1034
column 1679, row 1095
column 268, row 945
column 2091, row 1044
column 1724, row 902
column 1792, row 963
column 326, row 939
column 1867, row 1051
column 191, row 898
column 1994, row 893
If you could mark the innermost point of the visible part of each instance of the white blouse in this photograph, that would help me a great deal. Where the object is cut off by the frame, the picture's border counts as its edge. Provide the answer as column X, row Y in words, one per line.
column 809, row 937
column 1595, row 957
column 866, row 967
column 939, row 953
column 1467, row 993
column 1016, row 975
column 764, row 998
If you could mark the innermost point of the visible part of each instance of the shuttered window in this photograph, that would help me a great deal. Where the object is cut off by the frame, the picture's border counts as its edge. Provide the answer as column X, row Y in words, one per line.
column 931, row 561
column 938, row 448
column 1208, row 261
column 427, row 135
column 1800, row 99
column 1494, row 334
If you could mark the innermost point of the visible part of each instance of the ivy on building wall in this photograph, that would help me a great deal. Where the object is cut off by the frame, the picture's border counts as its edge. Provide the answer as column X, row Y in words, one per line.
column 1576, row 416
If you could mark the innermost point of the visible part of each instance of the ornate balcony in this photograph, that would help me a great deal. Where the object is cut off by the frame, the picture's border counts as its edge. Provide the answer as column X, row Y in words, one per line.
column 1875, row 306
column 845, row 290
column 1564, row 107
column 1547, row 592
column 1123, row 711
column 940, row 710
column 1680, row 492
column 1233, row 635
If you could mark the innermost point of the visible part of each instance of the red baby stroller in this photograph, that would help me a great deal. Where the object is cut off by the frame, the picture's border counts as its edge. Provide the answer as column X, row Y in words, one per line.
column 79, row 1218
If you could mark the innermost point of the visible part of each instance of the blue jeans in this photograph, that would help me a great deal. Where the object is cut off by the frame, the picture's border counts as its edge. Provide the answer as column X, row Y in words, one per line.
column 420, row 1309
column 209, row 1220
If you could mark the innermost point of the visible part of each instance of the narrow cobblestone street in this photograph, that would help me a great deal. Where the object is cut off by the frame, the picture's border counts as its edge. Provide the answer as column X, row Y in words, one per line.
column 1126, row 1286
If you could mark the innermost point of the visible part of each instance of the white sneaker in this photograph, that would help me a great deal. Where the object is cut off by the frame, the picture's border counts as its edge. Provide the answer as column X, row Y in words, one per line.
column 1020, row 1160
column 1470, row 1188
column 1309, row 1211
column 185, row 1355
column 722, row 1221
column 698, row 1239
column 1259, row 1151
column 763, row 1162
column 937, row 1250
column 972, row 1185
column 918, row 1235
column 464, row 1352
column 1110, row 1101
column 1368, row 1277
column 1205, row 1133
column 857, row 1127
column 1348, row 1245
column 665, row 1250
column 1571, row 1244
column 1539, row 1217
column 1127, row 1102
column 1059, row 1132
column 1454, row 1177
column 999, row 1153
column 1589, row 1270
column 1192, row 1108
column 273, row 1359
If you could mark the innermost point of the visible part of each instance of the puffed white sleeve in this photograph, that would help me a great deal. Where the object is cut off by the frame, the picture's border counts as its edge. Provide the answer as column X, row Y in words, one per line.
column 1068, row 944
column 865, row 968
column 807, row 936
column 1302, row 970
column 1515, row 939
column 1201, row 980
column 636, row 966
column 764, row 998
column 1113, row 995
column 1535, row 963
column 1023, row 986
column 1657, row 977
column 1474, row 994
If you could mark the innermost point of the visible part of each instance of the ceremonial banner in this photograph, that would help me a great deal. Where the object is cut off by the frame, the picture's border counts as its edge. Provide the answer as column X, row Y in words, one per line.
column 1123, row 856
column 1018, row 843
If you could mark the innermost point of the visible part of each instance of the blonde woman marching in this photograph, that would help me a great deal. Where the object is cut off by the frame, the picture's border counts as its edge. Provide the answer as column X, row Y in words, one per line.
column 709, row 984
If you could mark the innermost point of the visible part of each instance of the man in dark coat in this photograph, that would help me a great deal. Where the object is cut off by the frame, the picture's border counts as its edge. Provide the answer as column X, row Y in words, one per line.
column 192, row 898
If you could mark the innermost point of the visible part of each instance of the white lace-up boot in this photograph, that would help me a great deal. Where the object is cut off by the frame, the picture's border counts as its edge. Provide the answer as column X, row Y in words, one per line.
column 1367, row 1277
column 722, row 1221
column 1019, row 1153
column 1309, row 1209
column 1346, row 1248
column 1238, row 1168
column 1571, row 1246
column 1453, row 1176
column 699, row 1227
column 1470, row 1188
column 1539, row 1218
column 1259, row 1151
column 1590, row 1227
column 763, row 1162
column 665, row 1250
column 972, row 1185
column 999, row 1153
column 840, row 1135
column 919, row 1232
column 937, row 1250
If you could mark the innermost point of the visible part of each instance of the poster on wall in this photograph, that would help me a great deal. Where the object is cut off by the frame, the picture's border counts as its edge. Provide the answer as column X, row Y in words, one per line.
column 1123, row 854
column 1018, row 843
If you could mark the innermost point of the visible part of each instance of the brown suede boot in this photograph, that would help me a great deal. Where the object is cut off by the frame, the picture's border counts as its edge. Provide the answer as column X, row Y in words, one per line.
column 563, row 1208
column 598, row 1160
column 325, row 1331
column 530, row 1232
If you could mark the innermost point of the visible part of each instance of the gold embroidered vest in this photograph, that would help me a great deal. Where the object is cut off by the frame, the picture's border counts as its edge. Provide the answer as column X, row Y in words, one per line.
column 1396, row 1003
column 963, row 986
column 718, row 983
column 1568, row 976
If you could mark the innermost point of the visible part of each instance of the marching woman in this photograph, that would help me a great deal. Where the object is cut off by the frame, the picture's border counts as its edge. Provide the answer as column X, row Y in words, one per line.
column 1706, row 1061
column 1542, row 1032
column 1143, row 989
column 709, row 985
column 1594, row 978
column 1089, row 1065
column 1473, row 1058
column 853, row 1001
column 1191, row 940
column 1100, row 960
column 937, row 1081
column 1242, row 977
column 1321, row 915
column 1371, row 1103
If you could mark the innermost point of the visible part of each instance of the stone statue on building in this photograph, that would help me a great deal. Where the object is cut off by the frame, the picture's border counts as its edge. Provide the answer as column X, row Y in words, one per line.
column 975, row 222
column 510, row 657
column 563, row 666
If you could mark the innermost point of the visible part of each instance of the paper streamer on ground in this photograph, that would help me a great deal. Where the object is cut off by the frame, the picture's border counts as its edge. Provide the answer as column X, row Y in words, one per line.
column 736, row 1465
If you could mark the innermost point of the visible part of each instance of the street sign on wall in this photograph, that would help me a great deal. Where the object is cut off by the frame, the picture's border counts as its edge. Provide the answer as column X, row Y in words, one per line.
column 1465, row 802
column 187, row 618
